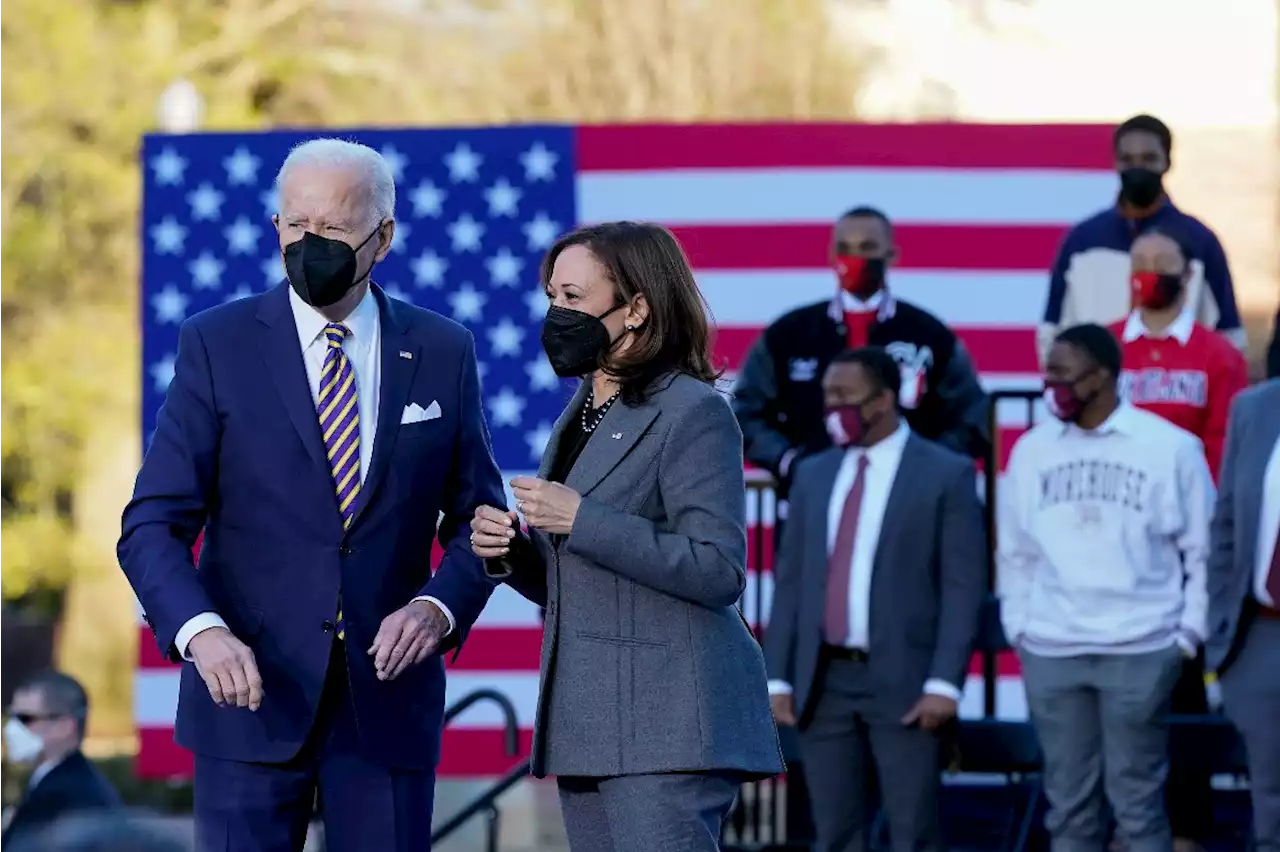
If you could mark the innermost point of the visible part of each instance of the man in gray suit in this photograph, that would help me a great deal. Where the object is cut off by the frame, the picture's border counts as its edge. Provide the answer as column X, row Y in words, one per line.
column 1243, row 647
column 878, row 587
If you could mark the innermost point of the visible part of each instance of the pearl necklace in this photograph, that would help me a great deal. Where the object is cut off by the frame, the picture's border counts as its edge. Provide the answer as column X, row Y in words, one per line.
column 591, row 418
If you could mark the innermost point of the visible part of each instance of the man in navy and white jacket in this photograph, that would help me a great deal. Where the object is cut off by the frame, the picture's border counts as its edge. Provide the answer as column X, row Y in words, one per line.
column 1102, row 543
column 1090, row 277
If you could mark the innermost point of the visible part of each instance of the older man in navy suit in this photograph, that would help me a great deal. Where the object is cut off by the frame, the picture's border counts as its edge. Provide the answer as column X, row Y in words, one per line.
column 316, row 433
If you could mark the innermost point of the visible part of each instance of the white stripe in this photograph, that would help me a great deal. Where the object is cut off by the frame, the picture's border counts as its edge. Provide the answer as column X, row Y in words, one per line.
column 981, row 298
column 155, row 698
column 917, row 196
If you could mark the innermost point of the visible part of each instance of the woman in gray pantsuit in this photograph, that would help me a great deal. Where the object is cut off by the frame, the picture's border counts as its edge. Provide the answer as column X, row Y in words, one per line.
column 653, row 705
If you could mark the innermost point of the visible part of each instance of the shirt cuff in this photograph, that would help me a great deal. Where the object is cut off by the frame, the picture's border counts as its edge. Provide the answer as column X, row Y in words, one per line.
column 195, row 624
column 453, row 624
column 784, row 462
column 938, row 686
column 779, row 687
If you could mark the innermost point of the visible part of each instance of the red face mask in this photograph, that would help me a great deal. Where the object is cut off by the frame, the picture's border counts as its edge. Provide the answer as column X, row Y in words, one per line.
column 1154, row 290
column 845, row 425
column 860, row 276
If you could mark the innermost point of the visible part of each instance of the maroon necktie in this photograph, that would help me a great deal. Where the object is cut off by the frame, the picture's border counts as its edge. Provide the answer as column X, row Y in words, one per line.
column 835, row 616
column 1273, row 574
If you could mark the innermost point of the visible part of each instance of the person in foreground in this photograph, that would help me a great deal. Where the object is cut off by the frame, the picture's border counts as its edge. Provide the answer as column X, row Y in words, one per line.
column 877, row 593
column 316, row 432
column 1243, row 646
column 653, row 705
column 1103, row 523
column 45, row 730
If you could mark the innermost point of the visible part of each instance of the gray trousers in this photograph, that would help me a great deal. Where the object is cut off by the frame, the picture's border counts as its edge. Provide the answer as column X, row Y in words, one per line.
column 1251, row 699
column 851, row 740
column 1102, row 721
column 670, row 812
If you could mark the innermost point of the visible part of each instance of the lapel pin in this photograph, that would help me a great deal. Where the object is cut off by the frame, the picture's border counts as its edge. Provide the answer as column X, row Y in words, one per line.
column 404, row 354
column 617, row 436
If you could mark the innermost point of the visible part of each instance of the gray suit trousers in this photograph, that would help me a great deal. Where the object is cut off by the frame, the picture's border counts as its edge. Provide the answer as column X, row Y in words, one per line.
column 668, row 812
column 1251, row 698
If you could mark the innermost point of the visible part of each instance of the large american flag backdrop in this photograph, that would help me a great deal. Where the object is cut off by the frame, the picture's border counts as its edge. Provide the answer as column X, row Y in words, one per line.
column 979, row 211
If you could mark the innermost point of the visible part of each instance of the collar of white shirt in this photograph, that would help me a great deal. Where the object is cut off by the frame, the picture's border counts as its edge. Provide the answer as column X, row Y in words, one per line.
column 1121, row 421
column 1180, row 329
column 310, row 322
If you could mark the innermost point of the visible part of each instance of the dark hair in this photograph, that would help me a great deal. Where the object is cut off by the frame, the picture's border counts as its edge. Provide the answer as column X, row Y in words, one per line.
column 882, row 371
column 867, row 212
column 1095, row 341
column 643, row 259
column 1144, row 124
column 62, row 695
column 1184, row 246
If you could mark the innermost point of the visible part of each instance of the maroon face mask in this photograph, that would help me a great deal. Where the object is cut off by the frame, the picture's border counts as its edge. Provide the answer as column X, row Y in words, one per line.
column 845, row 425
column 1062, row 401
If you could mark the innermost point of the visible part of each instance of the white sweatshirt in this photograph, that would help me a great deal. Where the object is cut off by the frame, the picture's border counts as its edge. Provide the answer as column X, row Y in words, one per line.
column 1102, row 537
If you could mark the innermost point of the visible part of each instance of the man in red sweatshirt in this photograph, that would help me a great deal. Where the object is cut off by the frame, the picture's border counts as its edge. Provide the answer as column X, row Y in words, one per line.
column 1178, row 369
column 1173, row 366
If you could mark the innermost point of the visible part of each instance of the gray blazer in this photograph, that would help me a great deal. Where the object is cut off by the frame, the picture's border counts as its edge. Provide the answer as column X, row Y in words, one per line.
column 927, row 585
column 1252, row 432
column 647, row 664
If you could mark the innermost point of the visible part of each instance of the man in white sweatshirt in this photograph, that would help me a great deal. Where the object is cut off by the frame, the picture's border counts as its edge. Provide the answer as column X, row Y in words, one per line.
column 1102, row 541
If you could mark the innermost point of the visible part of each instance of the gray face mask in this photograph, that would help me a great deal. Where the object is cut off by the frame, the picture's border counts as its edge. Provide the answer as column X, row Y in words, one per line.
column 21, row 744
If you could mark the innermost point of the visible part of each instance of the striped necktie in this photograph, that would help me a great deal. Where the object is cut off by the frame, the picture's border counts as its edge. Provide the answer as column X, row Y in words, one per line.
column 340, row 423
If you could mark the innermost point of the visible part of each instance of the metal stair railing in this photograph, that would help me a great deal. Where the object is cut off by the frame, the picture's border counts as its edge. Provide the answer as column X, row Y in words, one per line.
column 486, row 802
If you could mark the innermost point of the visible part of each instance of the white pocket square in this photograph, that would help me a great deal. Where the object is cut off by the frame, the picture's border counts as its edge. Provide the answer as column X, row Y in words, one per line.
column 414, row 413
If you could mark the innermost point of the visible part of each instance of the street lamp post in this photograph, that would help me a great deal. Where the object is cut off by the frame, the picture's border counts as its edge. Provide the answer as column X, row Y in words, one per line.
column 180, row 108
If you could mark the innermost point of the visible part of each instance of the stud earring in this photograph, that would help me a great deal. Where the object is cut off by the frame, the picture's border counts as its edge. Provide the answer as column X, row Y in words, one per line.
column 630, row 327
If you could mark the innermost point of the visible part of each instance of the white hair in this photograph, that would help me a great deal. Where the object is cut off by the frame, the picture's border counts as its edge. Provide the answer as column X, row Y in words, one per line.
column 341, row 153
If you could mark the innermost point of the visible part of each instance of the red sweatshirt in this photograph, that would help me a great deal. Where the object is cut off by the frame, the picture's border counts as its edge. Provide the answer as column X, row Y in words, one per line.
column 1188, row 376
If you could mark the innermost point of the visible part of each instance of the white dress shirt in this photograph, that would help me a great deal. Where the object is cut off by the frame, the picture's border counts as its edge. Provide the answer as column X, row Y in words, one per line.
column 363, row 347
column 1268, row 527
column 883, row 459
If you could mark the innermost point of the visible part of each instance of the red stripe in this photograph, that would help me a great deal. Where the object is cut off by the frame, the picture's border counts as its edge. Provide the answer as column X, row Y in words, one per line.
column 467, row 752
column 947, row 247
column 932, row 146
column 994, row 350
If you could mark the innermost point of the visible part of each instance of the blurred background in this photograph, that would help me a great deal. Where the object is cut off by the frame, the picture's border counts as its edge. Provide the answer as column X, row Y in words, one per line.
column 83, row 80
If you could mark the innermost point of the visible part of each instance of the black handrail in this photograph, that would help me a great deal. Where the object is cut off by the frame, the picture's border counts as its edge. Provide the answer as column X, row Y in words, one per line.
column 485, row 801
column 510, row 722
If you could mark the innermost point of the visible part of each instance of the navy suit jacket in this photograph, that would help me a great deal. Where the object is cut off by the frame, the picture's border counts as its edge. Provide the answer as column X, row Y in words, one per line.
column 73, row 787
column 238, row 452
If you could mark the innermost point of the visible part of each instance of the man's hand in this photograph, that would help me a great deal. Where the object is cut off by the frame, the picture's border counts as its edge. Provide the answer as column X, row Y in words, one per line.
column 228, row 668
column 407, row 637
column 548, row 506
column 931, row 712
column 783, row 705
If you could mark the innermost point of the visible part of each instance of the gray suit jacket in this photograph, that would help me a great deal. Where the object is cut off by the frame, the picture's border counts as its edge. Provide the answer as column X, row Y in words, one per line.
column 647, row 664
column 1233, row 534
column 927, row 585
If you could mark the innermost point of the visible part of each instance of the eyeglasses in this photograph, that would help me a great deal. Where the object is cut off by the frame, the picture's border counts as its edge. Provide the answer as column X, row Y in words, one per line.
column 29, row 718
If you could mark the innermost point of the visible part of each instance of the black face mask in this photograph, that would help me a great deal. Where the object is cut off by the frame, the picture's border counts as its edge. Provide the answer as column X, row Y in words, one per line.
column 322, row 271
column 1141, row 187
column 574, row 340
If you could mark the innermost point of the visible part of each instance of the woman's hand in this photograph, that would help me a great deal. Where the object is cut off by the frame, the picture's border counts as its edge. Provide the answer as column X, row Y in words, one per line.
column 491, row 532
column 548, row 506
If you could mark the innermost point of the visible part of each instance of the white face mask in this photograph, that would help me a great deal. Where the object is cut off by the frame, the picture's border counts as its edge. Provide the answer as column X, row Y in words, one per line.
column 21, row 744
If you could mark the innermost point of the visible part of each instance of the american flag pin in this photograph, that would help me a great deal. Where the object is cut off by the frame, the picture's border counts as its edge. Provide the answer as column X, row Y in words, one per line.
column 404, row 354
column 617, row 436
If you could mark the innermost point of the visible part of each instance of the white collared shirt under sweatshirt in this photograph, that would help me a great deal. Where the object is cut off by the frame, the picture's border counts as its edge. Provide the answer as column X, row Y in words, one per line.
column 883, row 459
column 363, row 347
column 1102, row 537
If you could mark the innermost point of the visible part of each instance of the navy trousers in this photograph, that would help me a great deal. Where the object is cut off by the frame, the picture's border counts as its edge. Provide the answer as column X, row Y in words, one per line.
column 266, row 807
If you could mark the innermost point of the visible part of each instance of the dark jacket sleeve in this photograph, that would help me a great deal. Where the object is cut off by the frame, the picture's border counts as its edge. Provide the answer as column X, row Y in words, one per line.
column 1273, row 351
column 963, row 579
column 784, row 608
column 965, row 406
column 755, row 404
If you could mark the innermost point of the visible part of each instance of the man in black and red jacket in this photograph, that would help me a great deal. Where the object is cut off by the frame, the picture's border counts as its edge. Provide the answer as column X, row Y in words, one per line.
column 778, row 396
